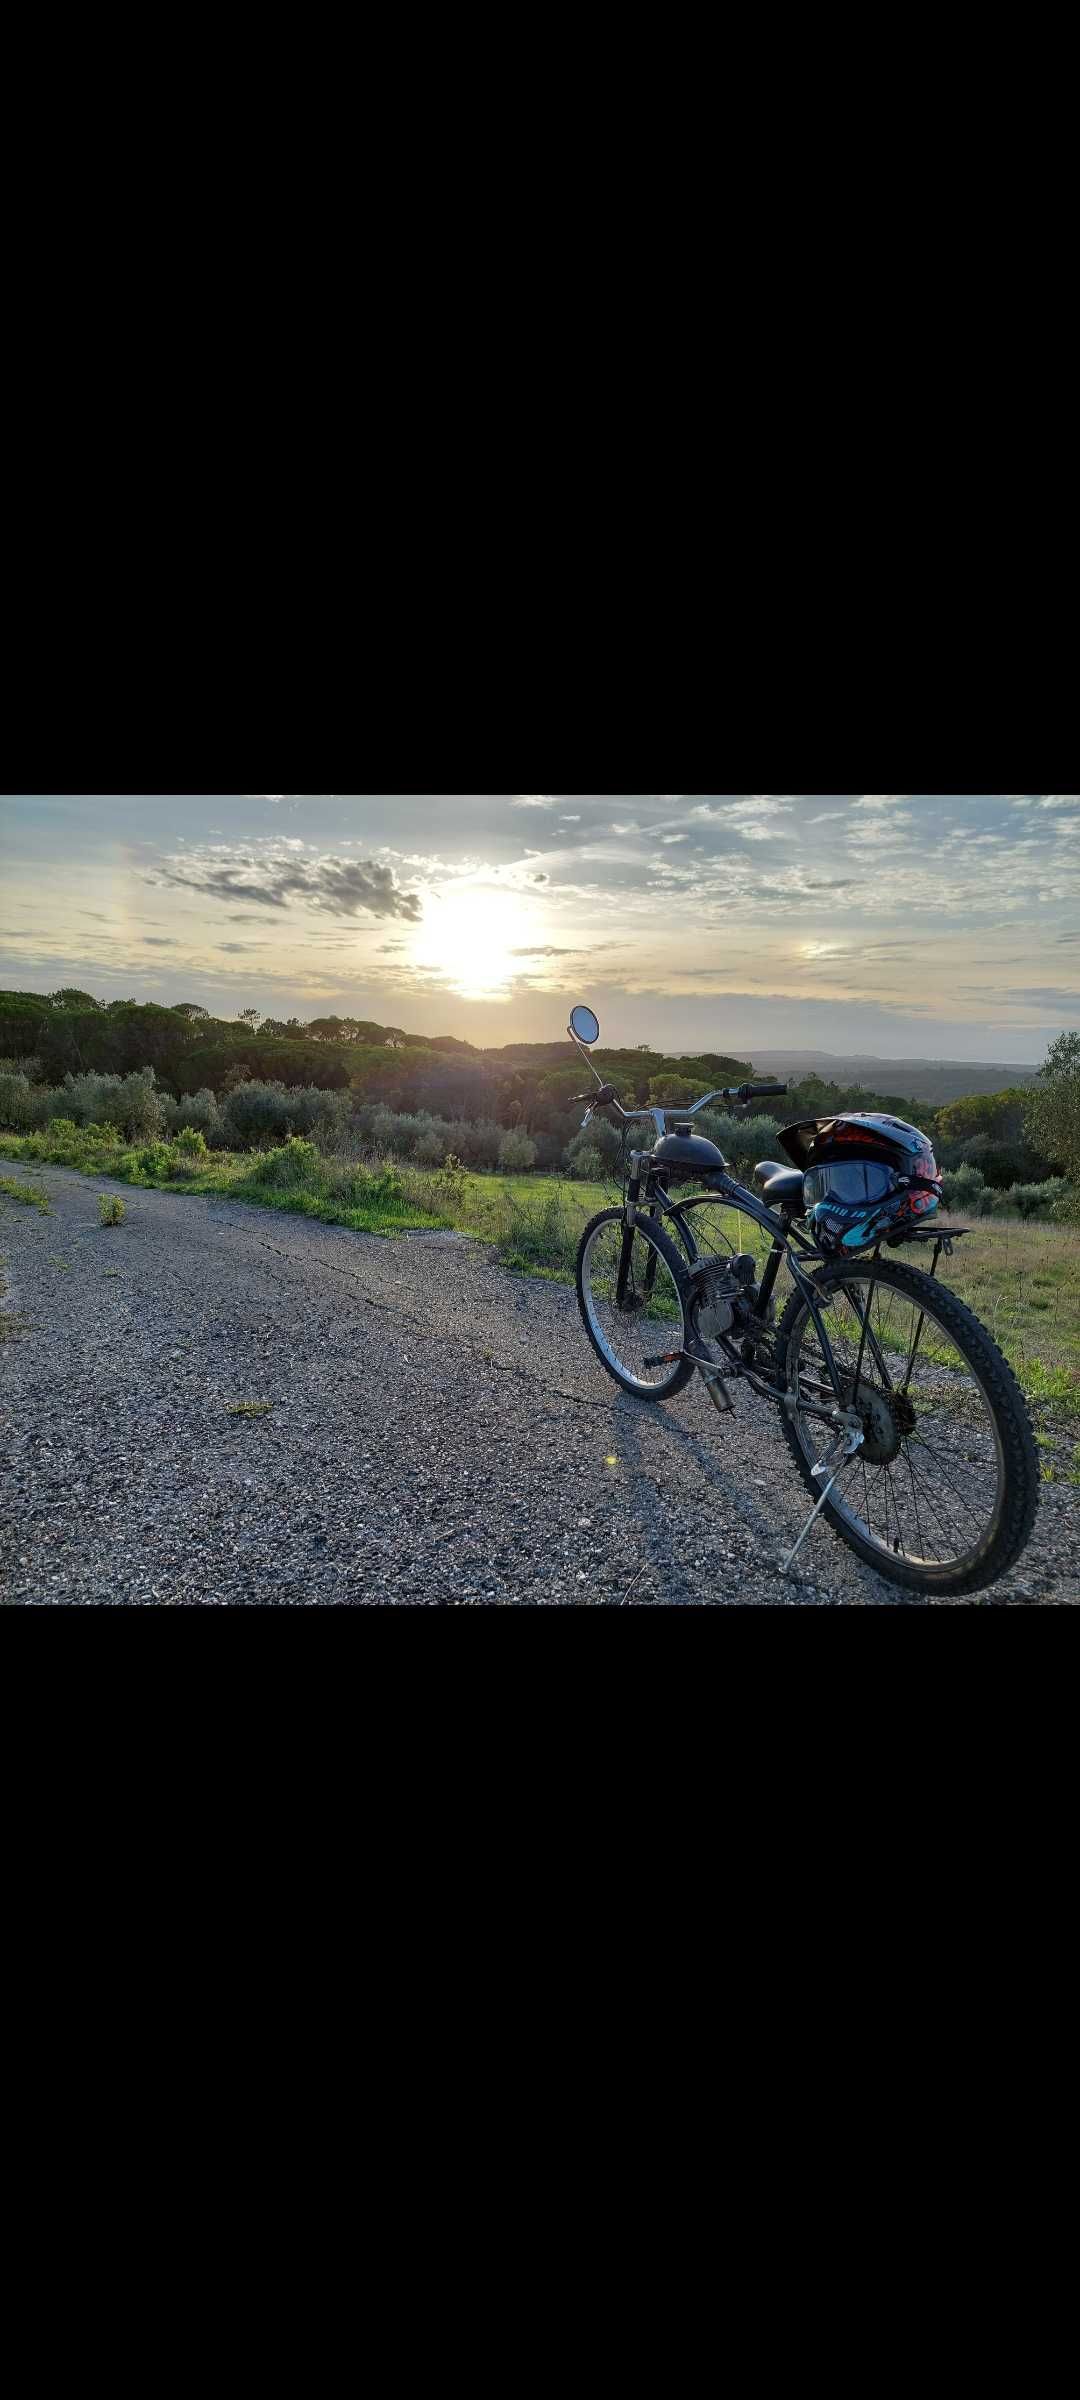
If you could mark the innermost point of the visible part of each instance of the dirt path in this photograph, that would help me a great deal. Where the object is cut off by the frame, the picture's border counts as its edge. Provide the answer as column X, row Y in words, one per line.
column 439, row 1431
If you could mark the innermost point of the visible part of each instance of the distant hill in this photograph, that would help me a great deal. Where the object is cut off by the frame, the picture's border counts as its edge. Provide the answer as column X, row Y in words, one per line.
column 931, row 1079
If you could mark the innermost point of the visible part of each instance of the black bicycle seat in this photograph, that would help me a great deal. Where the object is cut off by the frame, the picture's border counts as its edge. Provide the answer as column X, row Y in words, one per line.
column 782, row 1184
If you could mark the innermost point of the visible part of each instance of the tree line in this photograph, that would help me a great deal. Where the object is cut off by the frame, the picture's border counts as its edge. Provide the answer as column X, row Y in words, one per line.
column 1001, row 1140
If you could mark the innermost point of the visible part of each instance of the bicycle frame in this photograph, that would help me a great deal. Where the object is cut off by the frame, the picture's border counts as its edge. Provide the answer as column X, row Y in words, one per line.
column 647, row 1195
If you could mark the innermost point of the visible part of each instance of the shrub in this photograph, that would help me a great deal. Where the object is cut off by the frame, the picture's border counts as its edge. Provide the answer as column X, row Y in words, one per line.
column 380, row 1190
column 598, row 1140
column 111, row 1210
column 14, row 1101
column 430, row 1150
column 130, row 1102
column 477, row 1145
column 191, row 1142
column 587, row 1166
column 264, row 1115
column 965, row 1188
column 62, row 1130
column 156, row 1159
column 258, row 1116
column 539, row 1237
column 323, row 1116
column 198, row 1111
column 294, row 1163
column 1030, row 1199
column 517, row 1153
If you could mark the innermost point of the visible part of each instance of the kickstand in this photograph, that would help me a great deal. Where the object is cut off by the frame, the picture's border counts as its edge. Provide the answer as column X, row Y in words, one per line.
column 852, row 1440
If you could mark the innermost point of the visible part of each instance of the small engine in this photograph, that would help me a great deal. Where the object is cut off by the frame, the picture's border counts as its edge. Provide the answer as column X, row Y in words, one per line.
column 727, row 1289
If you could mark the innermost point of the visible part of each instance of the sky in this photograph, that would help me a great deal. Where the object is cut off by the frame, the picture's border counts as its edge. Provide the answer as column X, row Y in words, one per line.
column 901, row 925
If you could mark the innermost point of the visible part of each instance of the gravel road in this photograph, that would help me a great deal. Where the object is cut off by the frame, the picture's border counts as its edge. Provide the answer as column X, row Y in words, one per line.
column 439, row 1432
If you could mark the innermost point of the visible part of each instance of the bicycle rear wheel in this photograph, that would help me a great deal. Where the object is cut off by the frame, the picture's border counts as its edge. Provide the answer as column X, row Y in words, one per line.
column 633, row 1296
column 942, row 1496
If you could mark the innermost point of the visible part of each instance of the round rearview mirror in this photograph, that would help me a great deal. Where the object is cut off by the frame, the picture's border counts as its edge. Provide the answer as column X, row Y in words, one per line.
column 585, row 1025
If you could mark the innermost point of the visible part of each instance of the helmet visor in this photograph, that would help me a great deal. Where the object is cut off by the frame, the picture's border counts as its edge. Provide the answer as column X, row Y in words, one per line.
column 850, row 1181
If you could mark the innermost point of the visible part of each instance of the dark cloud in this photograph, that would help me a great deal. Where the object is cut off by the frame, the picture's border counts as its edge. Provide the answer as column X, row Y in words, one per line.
column 343, row 887
column 158, row 941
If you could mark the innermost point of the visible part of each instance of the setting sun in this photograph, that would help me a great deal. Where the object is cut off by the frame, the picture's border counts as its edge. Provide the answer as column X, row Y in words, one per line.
column 474, row 942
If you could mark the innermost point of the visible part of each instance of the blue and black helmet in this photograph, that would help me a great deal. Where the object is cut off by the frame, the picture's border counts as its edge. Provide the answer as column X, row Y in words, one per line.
column 864, row 1177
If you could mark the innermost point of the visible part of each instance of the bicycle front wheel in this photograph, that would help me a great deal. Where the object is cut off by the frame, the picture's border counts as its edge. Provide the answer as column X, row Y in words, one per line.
column 942, row 1496
column 632, row 1293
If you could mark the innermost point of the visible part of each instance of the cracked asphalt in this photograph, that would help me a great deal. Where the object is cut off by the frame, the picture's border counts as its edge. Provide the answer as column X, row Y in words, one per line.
column 431, row 1431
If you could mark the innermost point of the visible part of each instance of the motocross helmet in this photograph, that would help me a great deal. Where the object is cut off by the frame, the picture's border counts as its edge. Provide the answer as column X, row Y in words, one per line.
column 865, row 1177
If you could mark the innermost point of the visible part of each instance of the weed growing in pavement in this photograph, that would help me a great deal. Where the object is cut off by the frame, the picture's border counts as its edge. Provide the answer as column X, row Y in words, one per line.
column 26, row 1192
column 111, row 1210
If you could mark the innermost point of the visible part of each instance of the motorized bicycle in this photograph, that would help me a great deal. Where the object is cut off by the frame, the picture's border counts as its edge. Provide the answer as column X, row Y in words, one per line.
column 904, row 1420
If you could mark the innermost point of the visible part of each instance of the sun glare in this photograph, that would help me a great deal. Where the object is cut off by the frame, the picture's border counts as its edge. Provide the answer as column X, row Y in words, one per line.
column 473, row 941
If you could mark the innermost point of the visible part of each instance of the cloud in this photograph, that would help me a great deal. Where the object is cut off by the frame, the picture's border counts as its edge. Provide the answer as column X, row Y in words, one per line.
column 1050, row 996
column 272, row 878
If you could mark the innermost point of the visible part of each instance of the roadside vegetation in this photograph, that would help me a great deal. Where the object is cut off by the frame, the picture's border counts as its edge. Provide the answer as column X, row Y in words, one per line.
column 153, row 1074
column 361, row 1125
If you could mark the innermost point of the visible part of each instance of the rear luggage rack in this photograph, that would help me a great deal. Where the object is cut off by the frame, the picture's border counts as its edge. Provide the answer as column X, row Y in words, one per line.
column 943, row 1235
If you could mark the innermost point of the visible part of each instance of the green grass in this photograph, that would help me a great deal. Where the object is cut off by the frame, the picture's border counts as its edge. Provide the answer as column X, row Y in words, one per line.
column 1006, row 1270
column 337, row 1191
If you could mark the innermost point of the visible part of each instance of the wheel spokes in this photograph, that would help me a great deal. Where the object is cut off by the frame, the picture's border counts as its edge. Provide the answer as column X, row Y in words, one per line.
column 926, row 1487
column 649, row 1319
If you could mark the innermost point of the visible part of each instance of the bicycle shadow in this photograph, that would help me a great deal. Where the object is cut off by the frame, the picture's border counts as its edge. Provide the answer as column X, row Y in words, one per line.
column 772, row 1535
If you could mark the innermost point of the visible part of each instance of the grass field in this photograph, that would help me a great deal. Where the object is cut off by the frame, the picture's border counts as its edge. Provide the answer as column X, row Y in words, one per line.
column 1021, row 1278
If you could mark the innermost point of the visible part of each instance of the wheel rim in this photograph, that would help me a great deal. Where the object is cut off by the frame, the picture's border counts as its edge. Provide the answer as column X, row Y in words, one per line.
column 928, row 1488
column 655, row 1323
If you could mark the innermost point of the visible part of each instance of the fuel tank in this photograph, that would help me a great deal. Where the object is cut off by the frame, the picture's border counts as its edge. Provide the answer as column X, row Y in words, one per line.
column 688, row 1158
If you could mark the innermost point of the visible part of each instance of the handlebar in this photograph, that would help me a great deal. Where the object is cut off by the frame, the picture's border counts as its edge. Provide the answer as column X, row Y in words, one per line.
column 741, row 1093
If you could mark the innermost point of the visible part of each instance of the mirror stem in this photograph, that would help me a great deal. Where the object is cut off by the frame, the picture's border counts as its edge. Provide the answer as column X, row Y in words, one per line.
column 585, row 1055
